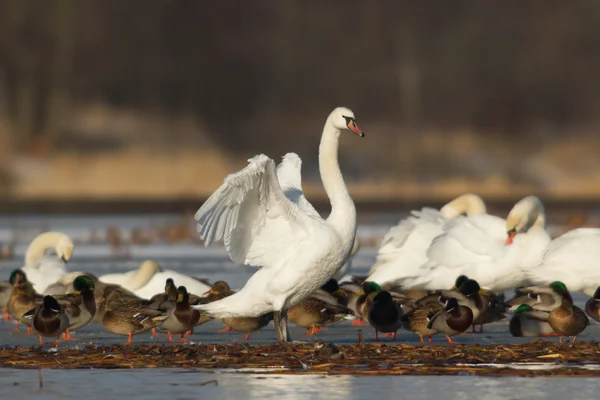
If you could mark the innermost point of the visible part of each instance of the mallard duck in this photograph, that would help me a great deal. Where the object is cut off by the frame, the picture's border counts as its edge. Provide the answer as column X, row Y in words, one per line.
column 365, row 301
column 385, row 314
column 169, row 295
column 318, row 310
column 48, row 319
column 80, row 306
column 529, row 299
column 103, row 291
column 565, row 318
column 248, row 325
column 452, row 319
column 416, row 320
column 22, row 299
column 182, row 317
column 528, row 322
column 125, row 316
column 469, row 294
column 6, row 289
column 592, row 306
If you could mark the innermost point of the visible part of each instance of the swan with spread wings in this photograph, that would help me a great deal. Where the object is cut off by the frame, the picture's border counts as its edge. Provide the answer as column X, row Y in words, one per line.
column 264, row 220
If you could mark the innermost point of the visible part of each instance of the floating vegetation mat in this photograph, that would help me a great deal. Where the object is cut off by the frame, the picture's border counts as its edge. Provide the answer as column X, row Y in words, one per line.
column 539, row 358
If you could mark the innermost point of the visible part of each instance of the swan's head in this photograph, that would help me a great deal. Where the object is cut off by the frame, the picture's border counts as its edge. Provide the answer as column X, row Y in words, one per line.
column 17, row 277
column 527, row 213
column 342, row 118
column 64, row 248
column 468, row 204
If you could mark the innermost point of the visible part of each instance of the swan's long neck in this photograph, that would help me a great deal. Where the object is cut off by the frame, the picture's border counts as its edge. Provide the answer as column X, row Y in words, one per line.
column 343, row 212
column 39, row 245
column 140, row 279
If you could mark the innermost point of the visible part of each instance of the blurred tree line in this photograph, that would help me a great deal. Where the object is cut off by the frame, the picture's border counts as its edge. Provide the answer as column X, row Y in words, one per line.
column 262, row 73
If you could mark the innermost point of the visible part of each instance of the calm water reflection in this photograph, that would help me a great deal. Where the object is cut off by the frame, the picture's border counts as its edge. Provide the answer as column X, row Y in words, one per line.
column 155, row 384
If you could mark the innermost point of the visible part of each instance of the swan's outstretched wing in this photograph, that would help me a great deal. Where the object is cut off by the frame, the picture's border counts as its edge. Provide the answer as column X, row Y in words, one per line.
column 573, row 258
column 257, row 222
column 289, row 174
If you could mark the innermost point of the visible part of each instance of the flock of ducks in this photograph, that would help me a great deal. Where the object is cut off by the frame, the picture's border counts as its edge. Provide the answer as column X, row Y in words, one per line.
column 437, row 271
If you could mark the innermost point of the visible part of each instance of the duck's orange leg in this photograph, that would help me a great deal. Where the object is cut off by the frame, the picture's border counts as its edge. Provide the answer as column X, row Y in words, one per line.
column 130, row 341
column 29, row 331
column 56, row 342
column 421, row 339
column 358, row 322
column 188, row 333
column 227, row 329
column 574, row 338
column 153, row 331
column 41, row 341
column 430, row 339
column 451, row 341
column 16, row 327
column 67, row 335
column 560, row 339
column 248, row 336
column 5, row 315
column 553, row 334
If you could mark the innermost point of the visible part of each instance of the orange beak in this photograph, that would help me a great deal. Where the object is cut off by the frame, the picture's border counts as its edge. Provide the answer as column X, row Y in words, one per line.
column 354, row 128
column 510, row 237
column 211, row 291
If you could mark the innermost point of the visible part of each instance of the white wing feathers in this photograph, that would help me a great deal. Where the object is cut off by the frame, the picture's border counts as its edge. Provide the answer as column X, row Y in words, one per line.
column 289, row 174
column 253, row 217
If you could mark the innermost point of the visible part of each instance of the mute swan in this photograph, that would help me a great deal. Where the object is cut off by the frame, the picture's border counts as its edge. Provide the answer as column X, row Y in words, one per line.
column 574, row 259
column 264, row 225
column 149, row 280
column 44, row 269
column 487, row 249
column 404, row 247
column 135, row 279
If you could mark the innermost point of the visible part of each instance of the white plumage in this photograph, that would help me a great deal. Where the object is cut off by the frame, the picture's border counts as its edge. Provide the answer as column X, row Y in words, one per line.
column 264, row 220
column 404, row 247
column 574, row 259
column 476, row 246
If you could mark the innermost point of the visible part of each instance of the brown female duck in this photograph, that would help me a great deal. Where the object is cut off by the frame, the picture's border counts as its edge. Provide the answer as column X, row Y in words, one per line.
column 22, row 299
column 565, row 318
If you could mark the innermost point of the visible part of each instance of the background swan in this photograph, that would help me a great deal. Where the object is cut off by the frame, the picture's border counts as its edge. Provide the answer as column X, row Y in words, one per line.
column 488, row 249
column 44, row 269
column 404, row 248
column 135, row 279
column 263, row 226
column 574, row 259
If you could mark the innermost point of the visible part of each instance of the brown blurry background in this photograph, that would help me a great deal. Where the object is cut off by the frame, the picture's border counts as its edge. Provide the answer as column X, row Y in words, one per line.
column 159, row 100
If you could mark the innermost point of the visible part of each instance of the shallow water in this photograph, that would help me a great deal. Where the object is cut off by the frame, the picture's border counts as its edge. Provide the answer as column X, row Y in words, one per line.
column 157, row 384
